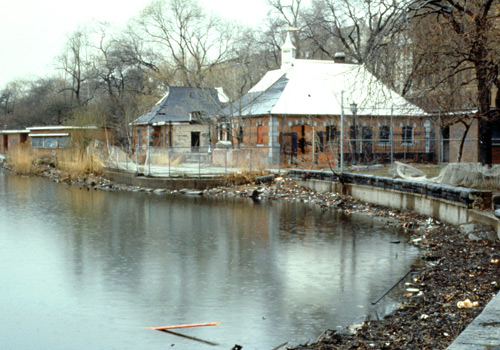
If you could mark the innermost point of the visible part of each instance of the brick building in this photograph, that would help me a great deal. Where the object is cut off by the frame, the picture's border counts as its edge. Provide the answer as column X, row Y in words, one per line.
column 306, row 107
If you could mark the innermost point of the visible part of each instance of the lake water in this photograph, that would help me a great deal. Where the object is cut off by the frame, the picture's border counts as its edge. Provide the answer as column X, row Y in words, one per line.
column 89, row 270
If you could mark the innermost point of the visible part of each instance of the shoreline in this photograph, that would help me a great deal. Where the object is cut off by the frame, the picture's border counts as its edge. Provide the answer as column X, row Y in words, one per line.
column 456, row 266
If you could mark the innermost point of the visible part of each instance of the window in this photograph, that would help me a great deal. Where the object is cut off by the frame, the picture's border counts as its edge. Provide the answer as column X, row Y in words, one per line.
column 331, row 133
column 196, row 116
column 407, row 135
column 240, row 134
column 384, row 135
column 366, row 133
column 320, row 139
column 37, row 142
column 260, row 135
column 50, row 141
column 223, row 134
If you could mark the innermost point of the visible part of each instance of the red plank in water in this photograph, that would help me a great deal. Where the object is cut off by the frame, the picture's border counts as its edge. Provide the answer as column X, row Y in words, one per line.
column 189, row 325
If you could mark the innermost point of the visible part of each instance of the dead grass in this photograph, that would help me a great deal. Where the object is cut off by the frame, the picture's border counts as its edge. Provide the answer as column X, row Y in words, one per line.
column 250, row 163
column 21, row 160
column 78, row 162
column 164, row 159
column 245, row 177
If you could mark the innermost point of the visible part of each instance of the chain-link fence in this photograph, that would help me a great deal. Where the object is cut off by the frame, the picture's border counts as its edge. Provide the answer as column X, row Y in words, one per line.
column 319, row 153
column 192, row 161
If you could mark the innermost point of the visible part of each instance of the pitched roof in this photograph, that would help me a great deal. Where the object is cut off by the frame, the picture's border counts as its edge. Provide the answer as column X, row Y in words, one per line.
column 178, row 104
column 311, row 87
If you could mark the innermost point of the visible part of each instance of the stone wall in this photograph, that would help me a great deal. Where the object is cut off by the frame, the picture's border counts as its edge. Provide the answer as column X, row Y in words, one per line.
column 447, row 203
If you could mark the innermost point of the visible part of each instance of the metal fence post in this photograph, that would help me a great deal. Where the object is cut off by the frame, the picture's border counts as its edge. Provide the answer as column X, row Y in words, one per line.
column 199, row 162
column 169, row 161
column 137, row 156
column 279, row 160
column 342, row 131
column 251, row 158
column 392, row 136
column 225, row 160
column 148, row 155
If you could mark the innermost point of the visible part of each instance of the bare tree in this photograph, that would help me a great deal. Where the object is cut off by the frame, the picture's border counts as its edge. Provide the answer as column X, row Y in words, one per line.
column 195, row 42
column 75, row 66
column 465, row 36
column 370, row 32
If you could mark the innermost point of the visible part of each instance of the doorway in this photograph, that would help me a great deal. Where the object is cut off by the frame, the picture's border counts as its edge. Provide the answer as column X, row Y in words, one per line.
column 195, row 141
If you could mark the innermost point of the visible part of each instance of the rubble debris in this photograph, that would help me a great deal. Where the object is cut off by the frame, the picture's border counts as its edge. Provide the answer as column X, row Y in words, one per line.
column 467, row 304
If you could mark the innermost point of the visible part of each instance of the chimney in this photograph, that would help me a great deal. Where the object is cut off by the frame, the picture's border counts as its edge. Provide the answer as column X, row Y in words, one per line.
column 339, row 57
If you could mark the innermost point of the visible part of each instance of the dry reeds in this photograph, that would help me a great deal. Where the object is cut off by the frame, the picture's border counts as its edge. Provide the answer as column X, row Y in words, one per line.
column 21, row 160
column 77, row 162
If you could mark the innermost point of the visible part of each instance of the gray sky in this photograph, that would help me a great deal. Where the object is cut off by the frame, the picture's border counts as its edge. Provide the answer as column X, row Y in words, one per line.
column 33, row 32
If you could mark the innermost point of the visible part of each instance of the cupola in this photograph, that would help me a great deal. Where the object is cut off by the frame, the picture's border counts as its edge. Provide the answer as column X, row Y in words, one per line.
column 287, row 52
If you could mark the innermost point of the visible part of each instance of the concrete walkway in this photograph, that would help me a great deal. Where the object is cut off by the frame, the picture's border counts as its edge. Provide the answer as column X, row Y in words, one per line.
column 484, row 332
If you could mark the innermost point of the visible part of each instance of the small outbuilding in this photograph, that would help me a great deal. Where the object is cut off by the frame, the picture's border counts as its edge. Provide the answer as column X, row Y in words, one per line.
column 182, row 120
column 46, row 139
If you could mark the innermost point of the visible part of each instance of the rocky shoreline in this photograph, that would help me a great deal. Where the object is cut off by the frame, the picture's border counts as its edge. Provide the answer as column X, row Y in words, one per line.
column 458, row 274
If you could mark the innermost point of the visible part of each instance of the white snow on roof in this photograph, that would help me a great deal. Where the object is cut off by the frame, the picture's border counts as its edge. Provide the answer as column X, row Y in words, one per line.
column 315, row 88
column 267, row 80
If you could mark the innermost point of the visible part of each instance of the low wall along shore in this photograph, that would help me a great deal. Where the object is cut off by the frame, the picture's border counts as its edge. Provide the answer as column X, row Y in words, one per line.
column 455, row 205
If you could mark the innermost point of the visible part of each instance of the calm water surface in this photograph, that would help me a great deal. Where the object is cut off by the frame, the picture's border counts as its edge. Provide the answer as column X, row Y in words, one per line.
column 88, row 270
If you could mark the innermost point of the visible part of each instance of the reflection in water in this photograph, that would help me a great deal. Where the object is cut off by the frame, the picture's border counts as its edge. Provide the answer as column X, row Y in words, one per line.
column 88, row 269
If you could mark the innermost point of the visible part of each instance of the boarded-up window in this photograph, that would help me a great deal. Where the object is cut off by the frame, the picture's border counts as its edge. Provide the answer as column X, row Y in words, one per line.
column 407, row 135
column 260, row 135
column 384, row 134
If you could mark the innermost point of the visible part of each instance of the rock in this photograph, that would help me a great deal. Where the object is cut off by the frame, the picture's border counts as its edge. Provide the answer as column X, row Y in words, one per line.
column 468, row 228
column 193, row 193
column 264, row 179
column 473, row 237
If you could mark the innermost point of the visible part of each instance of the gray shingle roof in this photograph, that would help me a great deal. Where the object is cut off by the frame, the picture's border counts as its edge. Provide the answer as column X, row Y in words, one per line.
column 178, row 104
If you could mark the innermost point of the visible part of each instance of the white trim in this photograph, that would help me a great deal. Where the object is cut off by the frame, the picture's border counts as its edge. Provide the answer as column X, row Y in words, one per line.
column 165, row 123
column 14, row 131
column 49, row 135
column 59, row 127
